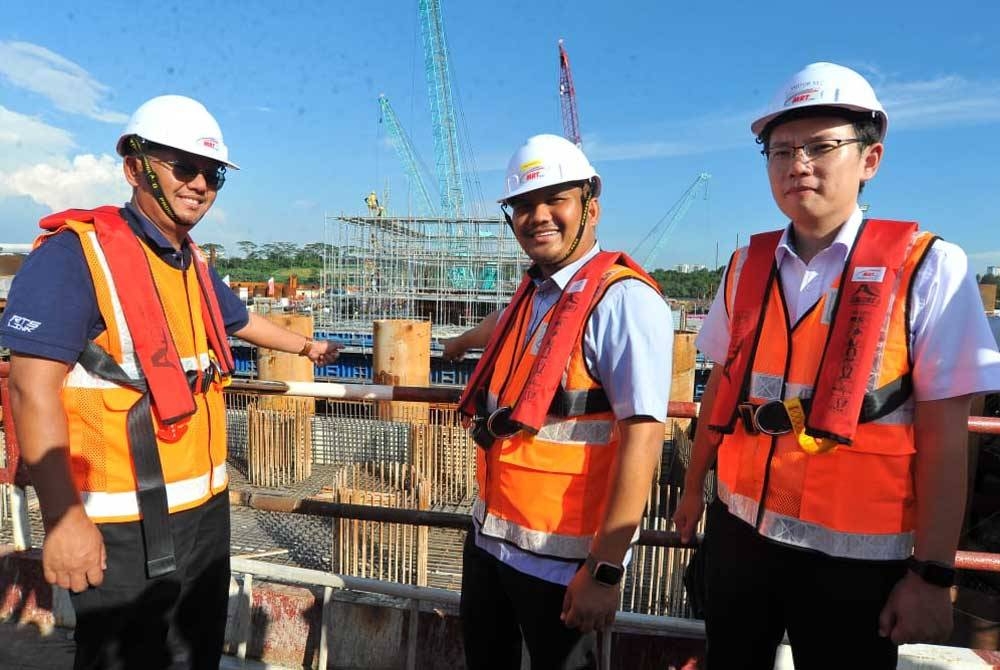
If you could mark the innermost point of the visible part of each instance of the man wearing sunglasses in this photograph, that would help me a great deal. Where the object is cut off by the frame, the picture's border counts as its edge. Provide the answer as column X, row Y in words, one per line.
column 117, row 329
column 847, row 350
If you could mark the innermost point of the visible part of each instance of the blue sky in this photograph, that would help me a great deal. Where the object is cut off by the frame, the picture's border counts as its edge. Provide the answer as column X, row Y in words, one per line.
column 666, row 90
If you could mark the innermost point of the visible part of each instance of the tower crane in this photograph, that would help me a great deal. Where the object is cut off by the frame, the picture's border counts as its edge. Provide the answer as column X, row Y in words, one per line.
column 660, row 233
column 567, row 99
column 448, row 162
column 404, row 149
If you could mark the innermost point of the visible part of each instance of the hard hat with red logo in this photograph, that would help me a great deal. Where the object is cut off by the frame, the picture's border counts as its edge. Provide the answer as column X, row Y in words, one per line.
column 826, row 85
column 547, row 160
column 178, row 122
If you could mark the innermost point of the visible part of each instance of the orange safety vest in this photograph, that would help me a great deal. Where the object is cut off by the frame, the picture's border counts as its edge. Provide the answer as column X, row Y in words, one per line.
column 545, row 490
column 191, row 446
column 857, row 500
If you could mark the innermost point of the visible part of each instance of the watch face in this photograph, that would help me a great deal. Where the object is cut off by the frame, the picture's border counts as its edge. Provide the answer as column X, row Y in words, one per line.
column 608, row 574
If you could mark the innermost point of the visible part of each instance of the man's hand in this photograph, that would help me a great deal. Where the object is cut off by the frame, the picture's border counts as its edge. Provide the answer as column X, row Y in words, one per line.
column 73, row 554
column 324, row 352
column 588, row 605
column 688, row 513
column 916, row 612
column 454, row 348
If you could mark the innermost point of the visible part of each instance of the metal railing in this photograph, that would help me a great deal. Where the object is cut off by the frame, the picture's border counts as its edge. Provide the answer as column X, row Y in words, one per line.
column 626, row 622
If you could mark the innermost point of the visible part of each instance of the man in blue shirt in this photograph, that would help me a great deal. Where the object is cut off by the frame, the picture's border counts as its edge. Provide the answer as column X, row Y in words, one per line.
column 136, row 519
column 553, row 527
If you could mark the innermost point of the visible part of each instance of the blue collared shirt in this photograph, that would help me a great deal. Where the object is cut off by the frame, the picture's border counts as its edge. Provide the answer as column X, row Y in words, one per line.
column 52, row 307
column 627, row 345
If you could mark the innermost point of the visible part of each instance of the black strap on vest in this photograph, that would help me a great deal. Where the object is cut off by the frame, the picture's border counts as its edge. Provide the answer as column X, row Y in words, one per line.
column 880, row 402
column 577, row 403
column 152, row 491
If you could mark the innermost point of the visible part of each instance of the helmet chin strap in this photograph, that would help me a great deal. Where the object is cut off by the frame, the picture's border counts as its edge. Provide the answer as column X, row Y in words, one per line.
column 154, row 182
column 583, row 224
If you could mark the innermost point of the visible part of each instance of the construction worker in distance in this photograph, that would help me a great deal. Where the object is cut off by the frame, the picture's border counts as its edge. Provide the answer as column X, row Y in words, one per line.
column 372, row 201
column 847, row 351
column 567, row 406
column 117, row 329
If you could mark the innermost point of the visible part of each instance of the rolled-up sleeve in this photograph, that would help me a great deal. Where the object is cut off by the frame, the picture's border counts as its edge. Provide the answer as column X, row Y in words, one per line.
column 628, row 346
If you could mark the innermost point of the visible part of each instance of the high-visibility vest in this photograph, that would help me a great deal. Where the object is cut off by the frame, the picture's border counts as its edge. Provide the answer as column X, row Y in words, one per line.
column 856, row 501
column 545, row 491
column 193, row 457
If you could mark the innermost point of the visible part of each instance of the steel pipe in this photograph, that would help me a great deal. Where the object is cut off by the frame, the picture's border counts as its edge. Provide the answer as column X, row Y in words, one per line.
column 438, row 394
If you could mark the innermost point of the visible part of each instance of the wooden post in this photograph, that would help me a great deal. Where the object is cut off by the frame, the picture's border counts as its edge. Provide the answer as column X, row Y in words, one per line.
column 280, row 451
column 682, row 377
column 401, row 356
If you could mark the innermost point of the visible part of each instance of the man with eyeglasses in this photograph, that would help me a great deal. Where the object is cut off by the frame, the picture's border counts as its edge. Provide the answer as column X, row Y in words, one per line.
column 117, row 330
column 847, row 352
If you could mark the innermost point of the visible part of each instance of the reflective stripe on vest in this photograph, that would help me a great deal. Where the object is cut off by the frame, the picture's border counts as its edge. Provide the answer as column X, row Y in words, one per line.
column 545, row 492
column 798, row 533
column 181, row 495
column 856, row 501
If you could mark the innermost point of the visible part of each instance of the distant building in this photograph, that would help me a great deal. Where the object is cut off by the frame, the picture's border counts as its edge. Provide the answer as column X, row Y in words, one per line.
column 687, row 268
column 993, row 270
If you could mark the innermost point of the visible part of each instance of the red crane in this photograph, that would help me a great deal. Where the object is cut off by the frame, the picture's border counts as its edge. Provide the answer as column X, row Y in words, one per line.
column 567, row 99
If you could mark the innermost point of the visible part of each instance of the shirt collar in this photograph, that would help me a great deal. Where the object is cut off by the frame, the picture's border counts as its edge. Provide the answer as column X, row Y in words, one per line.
column 842, row 243
column 156, row 240
column 562, row 276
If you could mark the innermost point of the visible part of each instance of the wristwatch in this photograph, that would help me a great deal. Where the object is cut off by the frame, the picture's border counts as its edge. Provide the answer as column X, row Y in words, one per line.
column 932, row 572
column 607, row 574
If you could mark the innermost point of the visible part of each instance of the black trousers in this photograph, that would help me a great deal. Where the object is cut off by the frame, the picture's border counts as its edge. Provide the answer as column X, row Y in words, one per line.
column 501, row 606
column 177, row 621
column 757, row 589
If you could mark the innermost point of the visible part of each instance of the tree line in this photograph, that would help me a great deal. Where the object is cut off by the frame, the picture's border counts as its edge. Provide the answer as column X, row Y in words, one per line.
column 259, row 262
column 696, row 285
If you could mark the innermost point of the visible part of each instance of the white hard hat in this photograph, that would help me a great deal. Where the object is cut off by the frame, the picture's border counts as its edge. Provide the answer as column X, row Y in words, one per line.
column 546, row 160
column 177, row 122
column 828, row 85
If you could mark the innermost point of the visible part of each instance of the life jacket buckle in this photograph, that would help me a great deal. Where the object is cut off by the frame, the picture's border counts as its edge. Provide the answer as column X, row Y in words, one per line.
column 499, row 423
column 771, row 418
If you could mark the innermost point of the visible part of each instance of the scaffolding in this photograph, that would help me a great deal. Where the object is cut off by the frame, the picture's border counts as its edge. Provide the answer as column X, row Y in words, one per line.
column 452, row 272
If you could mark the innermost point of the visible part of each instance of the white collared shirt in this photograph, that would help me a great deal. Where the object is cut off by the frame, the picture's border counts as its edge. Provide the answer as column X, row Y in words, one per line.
column 954, row 352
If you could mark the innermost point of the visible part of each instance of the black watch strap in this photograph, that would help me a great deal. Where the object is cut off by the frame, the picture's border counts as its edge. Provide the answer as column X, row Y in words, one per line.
column 603, row 572
column 933, row 572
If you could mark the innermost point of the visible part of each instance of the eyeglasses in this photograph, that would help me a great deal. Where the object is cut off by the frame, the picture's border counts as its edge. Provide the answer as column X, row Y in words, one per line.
column 783, row 154
column 215, row 177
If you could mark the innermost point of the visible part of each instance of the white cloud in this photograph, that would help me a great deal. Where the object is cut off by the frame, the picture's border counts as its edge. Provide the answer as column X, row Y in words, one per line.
column 944, row 101
column 70, row 87
column 24, row 139
column 86, row 181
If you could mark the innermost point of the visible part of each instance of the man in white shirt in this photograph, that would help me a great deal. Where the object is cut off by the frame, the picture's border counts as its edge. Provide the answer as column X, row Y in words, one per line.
column 847, row 353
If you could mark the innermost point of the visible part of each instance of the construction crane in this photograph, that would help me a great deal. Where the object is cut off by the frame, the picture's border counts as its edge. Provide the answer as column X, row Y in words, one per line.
column 660, row 233
column 404, row 149
column 567, row 99
column 446, row 147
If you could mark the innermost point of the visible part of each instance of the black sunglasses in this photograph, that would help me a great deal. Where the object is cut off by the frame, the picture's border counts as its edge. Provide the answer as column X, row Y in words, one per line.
column 215, row 177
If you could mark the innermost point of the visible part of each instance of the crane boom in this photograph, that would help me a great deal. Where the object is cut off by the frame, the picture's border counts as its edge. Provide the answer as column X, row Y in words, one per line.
column 404, row 149
column 669, row 221
column 446, row 148
column 567, row 99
